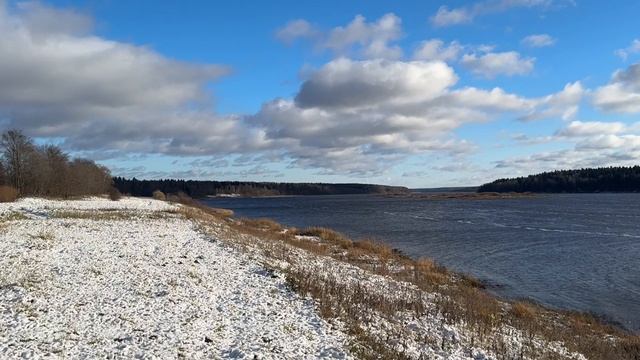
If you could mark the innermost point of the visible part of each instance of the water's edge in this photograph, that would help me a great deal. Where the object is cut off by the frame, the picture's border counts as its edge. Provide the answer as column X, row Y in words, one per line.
column 353, row 213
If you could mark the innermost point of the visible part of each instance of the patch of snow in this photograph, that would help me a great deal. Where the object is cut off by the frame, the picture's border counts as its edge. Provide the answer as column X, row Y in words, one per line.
column 144, row 287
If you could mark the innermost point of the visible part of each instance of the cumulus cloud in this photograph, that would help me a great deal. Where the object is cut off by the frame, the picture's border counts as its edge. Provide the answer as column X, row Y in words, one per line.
column 633, row 48
column 446, row 16
column 296, row 29
column 43, row 20
column 101, row 94
column 370, row 40
column 539, row 40
column 592, row 128
column 491, row 65
column 563, row 104
column 622, row 93
column 399, row 108
column 595, row 144
column 436, row 49
column 353, row 84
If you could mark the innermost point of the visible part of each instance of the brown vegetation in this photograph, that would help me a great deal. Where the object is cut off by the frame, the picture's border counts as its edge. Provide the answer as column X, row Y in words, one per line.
column 459, row 299
column 159, row 195
column 46, row 170
column 114, row 194
column 8, row 193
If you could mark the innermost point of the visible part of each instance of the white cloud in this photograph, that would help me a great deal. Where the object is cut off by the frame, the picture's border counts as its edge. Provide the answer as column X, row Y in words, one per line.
column 563, row 104
column 353, row 84
column 435, row 49
column 446, row 16
column 595, row 144
column 466, row 14
column 296, row 29
column 633, row 48
column 592, row 128
column 371, row 40
column 102, row 94
column 539, row 40
column 493, row 64
column 622, row 93
column 357, row 116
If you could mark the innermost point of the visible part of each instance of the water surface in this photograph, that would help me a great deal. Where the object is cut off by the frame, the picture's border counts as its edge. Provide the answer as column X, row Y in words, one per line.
column 570, row 251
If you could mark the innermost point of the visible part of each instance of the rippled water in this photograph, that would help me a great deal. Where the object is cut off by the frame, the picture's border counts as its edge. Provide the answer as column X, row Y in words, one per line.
column 572, row 251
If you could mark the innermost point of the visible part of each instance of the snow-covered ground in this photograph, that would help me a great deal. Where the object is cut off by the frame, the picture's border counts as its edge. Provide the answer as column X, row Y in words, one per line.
column 146, row 284
column 137, row 279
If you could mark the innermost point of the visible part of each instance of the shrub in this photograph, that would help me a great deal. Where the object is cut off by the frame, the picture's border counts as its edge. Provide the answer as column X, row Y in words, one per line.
column 8, row 194
column 114, row 194
column 159, row 195
column 181, row 198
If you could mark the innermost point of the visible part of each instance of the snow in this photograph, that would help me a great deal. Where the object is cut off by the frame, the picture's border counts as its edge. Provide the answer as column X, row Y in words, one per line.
column 152, row 284
column 144, row 286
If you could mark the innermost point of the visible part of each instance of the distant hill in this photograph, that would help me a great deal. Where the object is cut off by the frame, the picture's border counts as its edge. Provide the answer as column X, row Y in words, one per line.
column 200, row 189
column 609, row 179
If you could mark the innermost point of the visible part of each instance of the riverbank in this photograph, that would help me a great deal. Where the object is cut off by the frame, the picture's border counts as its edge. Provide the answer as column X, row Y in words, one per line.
column 252, row 277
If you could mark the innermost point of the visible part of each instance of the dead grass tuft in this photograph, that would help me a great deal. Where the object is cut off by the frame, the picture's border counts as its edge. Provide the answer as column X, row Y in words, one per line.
column 328, row 235
column 262, row 224
column 523, row 311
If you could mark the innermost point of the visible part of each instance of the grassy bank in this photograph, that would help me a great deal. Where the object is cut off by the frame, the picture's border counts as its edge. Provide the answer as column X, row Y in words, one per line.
column 387, row 296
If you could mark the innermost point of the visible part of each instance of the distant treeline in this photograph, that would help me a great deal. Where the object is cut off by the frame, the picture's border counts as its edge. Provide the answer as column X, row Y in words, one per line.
column 29, row 169
column 610, row 179
column 199, row 189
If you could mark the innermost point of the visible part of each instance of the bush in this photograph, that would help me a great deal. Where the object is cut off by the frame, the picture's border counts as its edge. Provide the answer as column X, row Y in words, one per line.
column 114, row 194
column 181, row 198
column 8, row 194
column 159, row 195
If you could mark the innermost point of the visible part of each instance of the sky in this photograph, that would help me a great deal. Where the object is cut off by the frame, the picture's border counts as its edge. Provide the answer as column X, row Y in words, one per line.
column 419, row 94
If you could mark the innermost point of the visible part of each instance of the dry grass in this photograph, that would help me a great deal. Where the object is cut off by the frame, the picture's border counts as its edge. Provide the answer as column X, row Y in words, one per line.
column 13, row 216
column 98, row 215
column 8, row 194
column 523, row 310
column 114, row 194
column 159, row 195
column 328, row 235
column 460, row 299
column 262, row 224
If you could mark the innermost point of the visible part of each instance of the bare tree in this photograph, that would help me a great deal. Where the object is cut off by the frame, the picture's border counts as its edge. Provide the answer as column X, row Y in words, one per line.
column 3, row 174
column 88, row 178
column 16, row 148
column 47, row 170
column 58, row 171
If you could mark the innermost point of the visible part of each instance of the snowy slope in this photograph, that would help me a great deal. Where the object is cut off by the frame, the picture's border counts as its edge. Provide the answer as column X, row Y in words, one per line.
column 147, row 285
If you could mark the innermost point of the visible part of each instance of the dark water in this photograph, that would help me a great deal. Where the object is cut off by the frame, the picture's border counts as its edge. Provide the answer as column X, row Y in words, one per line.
column 578, row 251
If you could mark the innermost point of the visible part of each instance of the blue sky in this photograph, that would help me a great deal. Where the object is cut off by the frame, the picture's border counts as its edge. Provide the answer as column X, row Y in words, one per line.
column 411, row 93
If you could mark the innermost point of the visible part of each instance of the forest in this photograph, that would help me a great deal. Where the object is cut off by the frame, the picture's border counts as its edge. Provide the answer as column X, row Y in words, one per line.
column 606, row 179
column 200, row 189
column 28, row 169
